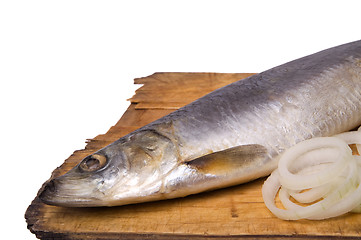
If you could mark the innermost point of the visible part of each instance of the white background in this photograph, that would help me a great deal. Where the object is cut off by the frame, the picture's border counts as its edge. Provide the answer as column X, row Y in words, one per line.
column 67, row 67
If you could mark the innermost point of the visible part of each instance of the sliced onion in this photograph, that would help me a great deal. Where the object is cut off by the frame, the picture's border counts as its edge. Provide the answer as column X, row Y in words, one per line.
column 299, row 182
column 321, row 172
column 337, row 202
column 350, row 137
column 311, row 195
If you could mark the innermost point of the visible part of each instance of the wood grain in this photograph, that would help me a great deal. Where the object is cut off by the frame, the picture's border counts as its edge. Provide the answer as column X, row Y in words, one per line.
column 232, row 213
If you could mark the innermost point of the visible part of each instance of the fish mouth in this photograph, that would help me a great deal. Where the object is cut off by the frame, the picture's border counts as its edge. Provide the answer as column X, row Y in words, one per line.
column 54, row 193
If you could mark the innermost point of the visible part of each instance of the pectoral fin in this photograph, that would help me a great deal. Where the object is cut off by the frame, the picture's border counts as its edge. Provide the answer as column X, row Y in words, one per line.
column 230, row 161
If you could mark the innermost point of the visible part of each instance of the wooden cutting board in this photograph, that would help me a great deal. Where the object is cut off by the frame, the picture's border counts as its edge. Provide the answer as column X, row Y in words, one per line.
column 232, row 213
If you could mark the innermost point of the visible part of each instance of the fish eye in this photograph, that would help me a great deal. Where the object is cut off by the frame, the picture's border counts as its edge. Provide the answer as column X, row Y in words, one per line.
column 93, row 162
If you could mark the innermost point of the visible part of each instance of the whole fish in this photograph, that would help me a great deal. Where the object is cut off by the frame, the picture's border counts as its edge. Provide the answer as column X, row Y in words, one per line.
column 230, row 136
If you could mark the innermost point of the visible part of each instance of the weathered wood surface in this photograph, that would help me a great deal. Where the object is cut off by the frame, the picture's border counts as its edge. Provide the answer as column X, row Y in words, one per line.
column 232, row 213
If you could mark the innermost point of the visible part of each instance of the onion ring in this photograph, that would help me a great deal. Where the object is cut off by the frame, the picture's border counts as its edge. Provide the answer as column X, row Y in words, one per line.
column 320, row 172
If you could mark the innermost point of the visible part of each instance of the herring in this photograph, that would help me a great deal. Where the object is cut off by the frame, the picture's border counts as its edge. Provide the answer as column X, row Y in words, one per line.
column 230, row 136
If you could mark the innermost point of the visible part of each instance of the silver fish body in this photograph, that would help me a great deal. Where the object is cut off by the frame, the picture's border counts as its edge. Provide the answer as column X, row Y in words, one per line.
column 230, row 136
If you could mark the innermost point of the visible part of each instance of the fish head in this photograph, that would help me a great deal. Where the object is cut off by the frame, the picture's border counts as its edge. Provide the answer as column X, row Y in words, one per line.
column 129, row 170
